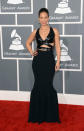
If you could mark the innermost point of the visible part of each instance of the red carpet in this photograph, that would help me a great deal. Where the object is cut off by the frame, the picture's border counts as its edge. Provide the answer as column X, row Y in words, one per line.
column 14, row 116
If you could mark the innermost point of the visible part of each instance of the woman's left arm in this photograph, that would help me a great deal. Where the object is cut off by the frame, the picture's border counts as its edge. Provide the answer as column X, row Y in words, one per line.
column 58, row 50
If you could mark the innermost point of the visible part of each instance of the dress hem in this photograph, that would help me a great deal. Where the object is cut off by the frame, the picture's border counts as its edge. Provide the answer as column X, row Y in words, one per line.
column 58, row 121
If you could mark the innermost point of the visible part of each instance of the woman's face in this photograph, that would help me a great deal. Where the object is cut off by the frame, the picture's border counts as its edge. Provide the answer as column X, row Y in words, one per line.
column 43, row 18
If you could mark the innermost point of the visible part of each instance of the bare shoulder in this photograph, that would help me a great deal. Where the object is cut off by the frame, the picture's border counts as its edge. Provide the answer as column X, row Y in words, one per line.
column 56, row 31
column 34, row 31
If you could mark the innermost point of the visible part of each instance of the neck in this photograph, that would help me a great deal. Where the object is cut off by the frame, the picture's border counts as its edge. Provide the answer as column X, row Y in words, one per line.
column 44, row 26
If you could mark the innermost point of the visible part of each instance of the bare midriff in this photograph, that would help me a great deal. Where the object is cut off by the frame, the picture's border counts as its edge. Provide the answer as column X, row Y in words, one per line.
column 47, row 46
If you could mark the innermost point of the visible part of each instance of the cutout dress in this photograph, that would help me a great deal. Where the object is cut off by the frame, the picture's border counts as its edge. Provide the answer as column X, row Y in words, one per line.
column 43, row 98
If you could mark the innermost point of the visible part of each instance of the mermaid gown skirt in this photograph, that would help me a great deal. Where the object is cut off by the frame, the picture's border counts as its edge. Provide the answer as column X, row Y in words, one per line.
column 43, row 98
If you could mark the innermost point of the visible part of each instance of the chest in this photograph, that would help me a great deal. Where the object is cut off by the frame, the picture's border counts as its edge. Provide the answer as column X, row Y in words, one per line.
column 49, row 39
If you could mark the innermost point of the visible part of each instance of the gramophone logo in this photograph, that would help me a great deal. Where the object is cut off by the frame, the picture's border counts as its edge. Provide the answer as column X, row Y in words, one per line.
column 14, row 1
column 64, row 52
column 16, row 41
column 63, row 7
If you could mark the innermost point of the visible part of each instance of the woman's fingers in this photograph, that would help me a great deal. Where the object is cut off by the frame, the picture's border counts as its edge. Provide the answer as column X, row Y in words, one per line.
column 56, row 68
column 35, row 53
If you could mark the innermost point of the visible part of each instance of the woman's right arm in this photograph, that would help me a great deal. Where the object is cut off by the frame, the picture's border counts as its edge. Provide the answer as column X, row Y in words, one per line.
column 29, row 41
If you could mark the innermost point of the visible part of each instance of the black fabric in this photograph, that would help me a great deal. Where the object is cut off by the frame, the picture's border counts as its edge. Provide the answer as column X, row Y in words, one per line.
column 49, row 39
column 43, row 98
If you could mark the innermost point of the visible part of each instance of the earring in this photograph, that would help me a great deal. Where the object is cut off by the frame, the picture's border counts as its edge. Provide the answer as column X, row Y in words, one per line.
column 48, row 23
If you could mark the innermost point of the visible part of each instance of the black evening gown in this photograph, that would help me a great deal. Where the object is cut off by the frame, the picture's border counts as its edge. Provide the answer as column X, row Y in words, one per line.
column 43, row 99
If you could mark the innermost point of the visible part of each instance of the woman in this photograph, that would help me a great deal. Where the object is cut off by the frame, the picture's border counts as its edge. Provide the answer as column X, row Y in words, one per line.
column 43, row 99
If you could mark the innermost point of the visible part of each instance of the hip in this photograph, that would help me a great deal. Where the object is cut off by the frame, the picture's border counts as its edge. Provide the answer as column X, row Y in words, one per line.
column 44, row 56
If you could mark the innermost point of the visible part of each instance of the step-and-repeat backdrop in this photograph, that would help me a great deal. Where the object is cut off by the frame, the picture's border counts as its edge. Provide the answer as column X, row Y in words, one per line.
column 18, row 18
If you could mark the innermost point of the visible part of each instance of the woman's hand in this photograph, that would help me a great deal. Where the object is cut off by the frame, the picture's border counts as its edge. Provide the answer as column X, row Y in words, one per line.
column 57, row 66
column 34, row 53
